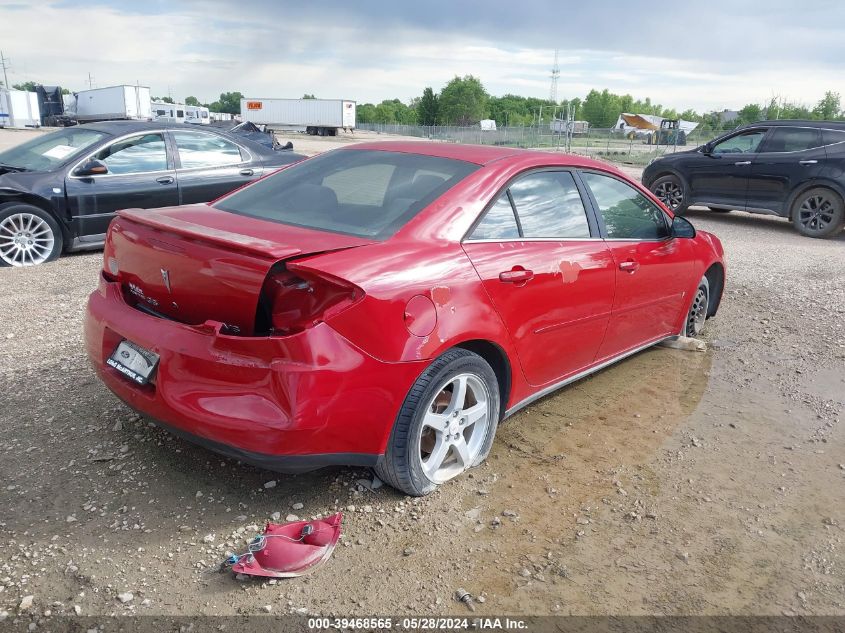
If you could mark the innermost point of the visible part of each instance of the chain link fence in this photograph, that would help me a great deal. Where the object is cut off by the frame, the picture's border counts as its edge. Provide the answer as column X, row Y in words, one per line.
column 638, row 147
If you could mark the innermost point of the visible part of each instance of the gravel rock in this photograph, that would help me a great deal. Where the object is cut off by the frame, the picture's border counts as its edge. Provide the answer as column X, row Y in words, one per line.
column 125, row 597
column 26, row 603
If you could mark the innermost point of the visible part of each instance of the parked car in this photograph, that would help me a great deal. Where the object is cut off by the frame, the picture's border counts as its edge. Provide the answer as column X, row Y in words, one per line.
column 794, row 169
column 387, row 304
column 59, row 191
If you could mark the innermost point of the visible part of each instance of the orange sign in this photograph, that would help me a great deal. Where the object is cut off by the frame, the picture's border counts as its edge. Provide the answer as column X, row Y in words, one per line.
column 254, row 105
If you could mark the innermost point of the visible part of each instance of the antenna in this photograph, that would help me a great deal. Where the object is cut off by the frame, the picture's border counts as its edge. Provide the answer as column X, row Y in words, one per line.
column 4, row 61
column 555, row 75
column 90, row 81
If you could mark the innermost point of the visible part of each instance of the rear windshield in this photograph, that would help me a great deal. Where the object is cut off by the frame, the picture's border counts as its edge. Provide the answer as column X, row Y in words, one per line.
column 356, row 192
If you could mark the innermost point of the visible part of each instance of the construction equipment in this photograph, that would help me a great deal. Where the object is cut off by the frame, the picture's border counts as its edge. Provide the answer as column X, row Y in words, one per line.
column 669, row 133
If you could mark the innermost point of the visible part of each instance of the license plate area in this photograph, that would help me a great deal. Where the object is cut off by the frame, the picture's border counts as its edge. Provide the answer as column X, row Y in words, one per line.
column 134, row 362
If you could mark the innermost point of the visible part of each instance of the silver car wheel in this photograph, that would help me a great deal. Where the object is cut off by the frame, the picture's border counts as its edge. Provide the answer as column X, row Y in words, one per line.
column 454, row 428
column 25, row 240
column 698, row 313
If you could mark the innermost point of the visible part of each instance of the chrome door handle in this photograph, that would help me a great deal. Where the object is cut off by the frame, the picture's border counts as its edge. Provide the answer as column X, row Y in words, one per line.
column 629, row 266
column 165, row 180
column 807, row 162
column 247, row 172
column 743, row 162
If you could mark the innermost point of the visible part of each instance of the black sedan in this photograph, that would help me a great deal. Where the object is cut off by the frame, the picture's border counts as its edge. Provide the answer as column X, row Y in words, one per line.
column 58, row 192
column 794, row 169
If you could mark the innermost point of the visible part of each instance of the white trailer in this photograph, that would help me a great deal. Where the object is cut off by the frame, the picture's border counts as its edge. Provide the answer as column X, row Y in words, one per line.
column 220, row 116
column 562, row 126
column 19, row 108
column 198, row 115
column 113, row 103
column 172, row 112
column 314, row 116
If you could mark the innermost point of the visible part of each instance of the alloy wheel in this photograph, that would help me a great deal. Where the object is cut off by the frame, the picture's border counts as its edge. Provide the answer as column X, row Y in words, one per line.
column 670, row 193
column 454, row 428
column 698, row 313
column 25, row 240
column 817, row 213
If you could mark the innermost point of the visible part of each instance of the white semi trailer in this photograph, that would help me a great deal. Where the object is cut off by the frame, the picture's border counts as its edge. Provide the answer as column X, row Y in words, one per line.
column 113, row 103
column 19, row 108
column 323, row 117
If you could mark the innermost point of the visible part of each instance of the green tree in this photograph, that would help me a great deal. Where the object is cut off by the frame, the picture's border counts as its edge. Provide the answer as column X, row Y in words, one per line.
column 162, row 99
column 427, row 108
column 308, row 96
column 463, row 101
column 749, row 114
column 192, row 101
column 229, row 102
column 28, row 86
column 829, row 107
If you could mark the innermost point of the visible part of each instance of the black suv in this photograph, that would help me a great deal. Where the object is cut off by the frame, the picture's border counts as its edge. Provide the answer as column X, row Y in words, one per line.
column 794, row 169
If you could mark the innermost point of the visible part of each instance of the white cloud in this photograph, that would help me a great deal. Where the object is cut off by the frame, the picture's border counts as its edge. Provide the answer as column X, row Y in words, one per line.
column 269, row 49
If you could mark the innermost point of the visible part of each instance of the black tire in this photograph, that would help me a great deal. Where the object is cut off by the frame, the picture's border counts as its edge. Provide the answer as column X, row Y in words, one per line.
column 818, row 212
column 719, row 209
column 697, row 314
column 401, row 465
column 9, row 213
column 671, row 192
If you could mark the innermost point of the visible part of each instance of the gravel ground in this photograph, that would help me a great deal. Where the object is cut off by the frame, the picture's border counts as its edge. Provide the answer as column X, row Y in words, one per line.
column 673, row 483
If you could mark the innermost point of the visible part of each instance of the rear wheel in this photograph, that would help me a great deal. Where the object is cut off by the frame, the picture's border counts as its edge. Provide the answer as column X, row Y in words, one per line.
column 818, row 212
column 698, row 311
column 445, row 426
column 670, row 191
column 28, row 235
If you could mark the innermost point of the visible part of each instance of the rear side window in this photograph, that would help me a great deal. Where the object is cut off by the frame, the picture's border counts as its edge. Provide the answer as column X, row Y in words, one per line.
column 368, row 193
column 830, row 137
column 793, row 139
column 627, row 213
column 499, row 223
column 548, row 205
column 197, row 149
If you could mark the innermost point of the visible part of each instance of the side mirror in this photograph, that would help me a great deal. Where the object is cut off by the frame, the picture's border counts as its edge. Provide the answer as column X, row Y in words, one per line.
column 681, row 227
column 91, row 167
column 707, row 149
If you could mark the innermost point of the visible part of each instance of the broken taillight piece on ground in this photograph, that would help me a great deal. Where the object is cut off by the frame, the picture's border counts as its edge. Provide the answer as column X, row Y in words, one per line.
column 290, row 549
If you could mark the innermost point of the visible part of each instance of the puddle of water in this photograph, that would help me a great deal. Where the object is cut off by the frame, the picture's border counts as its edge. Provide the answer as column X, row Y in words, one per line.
column 563, row 455
column 828, row 384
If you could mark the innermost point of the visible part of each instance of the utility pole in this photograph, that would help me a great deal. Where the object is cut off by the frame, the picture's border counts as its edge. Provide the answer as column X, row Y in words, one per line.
column 90, row 81
column 4, row 63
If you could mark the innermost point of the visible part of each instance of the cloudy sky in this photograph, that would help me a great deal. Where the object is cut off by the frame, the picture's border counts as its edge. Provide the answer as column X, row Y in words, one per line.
column 704, row 55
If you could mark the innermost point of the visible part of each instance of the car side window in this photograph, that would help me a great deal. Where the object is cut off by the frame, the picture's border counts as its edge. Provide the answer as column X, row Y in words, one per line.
column 793, row 139
column 627, row 213
column 197, row 149
column 549, row 205
column 499, row 223
column 745, row 143
column 831, row 137
column 135, row 155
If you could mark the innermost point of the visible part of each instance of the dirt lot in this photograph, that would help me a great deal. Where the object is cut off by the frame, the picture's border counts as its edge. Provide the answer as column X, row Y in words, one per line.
column 673, row 483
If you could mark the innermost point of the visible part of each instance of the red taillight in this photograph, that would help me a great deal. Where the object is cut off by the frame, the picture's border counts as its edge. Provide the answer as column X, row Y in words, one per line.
column 292, row 300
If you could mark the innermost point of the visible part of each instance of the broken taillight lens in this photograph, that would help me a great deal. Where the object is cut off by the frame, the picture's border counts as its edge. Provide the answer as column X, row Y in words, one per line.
column 293, row 300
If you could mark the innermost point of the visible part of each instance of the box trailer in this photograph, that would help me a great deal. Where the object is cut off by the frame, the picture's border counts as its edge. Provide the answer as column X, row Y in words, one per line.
column 113, row 103
column 314, row 116
column 19, row 108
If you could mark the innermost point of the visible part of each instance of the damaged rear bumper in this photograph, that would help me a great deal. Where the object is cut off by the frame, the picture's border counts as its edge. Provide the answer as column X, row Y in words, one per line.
column 289, row 404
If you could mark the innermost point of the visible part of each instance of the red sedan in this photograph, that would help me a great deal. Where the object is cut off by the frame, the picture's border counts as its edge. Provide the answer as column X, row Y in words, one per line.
column 388, row 304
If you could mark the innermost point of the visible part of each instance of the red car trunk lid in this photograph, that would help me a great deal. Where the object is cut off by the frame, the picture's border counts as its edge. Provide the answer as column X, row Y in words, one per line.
column 196, row 263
